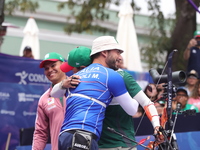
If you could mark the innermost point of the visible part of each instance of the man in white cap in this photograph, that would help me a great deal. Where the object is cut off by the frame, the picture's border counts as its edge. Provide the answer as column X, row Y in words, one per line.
column 87, row 103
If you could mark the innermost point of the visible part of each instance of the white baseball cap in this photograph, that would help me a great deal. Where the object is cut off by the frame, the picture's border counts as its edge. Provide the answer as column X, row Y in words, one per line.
column 104, row 43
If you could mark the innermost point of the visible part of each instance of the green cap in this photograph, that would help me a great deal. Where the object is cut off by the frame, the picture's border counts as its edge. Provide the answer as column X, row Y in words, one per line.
column 77, row 57
column 196, row 34
column 51, row 57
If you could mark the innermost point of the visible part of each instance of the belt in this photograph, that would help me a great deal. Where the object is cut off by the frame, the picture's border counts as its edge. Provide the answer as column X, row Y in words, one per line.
column 73, row 131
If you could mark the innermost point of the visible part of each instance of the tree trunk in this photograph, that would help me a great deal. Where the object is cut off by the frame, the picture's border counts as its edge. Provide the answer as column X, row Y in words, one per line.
column 185, row 26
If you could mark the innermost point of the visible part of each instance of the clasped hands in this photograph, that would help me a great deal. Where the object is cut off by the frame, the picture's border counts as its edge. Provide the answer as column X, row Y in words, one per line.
column 70, row 82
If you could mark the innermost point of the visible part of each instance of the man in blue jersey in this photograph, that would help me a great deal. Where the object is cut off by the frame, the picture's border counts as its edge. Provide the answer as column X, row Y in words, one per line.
column 86, row 104
column 192, row 53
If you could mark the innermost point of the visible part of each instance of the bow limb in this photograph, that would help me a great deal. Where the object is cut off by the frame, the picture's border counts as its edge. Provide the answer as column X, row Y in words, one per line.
column 166, row 117
column 167, row 113
column 170, row 88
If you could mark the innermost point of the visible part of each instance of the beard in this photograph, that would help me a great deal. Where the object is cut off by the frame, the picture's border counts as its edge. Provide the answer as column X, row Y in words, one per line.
column 112, row 62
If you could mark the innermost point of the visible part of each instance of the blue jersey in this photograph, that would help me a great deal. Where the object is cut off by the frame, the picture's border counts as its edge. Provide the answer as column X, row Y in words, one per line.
column 97, row 82
column 194, row 60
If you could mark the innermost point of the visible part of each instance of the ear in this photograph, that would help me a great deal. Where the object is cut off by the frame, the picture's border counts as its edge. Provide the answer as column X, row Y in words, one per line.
column 104, row 53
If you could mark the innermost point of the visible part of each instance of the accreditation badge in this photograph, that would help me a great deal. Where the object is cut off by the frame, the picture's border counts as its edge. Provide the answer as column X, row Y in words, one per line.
column 51, row 100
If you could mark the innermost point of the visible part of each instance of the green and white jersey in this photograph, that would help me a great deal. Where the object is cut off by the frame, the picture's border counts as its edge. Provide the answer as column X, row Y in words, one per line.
column 118, row 119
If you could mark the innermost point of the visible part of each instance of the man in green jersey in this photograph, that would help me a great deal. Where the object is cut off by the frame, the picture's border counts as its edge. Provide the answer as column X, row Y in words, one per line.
column 121, row 122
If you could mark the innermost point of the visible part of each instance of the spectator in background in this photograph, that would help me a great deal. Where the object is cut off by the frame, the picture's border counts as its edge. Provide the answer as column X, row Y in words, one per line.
column 28, row 52
column 192, row 53
column 182, row 98
column 192, row 79
column 160, row 90
column 151, row 91
column 160, row 102
column 156, row 95
column 195, row 97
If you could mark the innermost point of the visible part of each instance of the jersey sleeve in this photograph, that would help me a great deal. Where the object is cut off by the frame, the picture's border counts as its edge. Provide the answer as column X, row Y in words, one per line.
column 116, row 84
column 149, row 108
column 129, row 105
column 130, row 83
column 57, row 91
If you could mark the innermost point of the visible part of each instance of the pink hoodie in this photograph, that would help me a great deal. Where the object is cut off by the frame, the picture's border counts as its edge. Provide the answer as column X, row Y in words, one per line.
column 50, row 116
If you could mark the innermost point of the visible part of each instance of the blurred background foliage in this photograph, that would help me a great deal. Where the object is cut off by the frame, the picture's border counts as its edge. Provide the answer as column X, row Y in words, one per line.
column 165, row 34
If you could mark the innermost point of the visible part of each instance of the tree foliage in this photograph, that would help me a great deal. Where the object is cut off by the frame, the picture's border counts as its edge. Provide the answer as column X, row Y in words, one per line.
column 185, row 25
column 162, row 41
column 90, row 13
column 154, row 53
column 21, row 5
column 165, row 35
